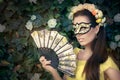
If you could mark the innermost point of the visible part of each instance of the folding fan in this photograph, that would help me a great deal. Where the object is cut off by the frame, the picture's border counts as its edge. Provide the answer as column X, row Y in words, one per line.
column 56, row 48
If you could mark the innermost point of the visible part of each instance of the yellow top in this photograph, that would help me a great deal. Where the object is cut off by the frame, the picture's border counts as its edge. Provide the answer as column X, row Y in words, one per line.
column 81, row 64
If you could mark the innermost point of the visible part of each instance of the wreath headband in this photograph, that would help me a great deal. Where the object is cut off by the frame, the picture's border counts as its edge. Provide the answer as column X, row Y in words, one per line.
column 100, row 19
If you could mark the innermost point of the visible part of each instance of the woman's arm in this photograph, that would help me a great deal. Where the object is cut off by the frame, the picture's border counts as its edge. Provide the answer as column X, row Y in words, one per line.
column 113, row 74
column 46, row 65
column 56, row 75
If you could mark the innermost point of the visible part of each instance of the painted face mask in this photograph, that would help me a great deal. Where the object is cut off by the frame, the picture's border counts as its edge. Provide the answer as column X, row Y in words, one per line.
column 81, row 28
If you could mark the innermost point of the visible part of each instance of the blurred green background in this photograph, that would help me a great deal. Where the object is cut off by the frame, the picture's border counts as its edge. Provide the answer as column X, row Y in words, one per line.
column 18, row 18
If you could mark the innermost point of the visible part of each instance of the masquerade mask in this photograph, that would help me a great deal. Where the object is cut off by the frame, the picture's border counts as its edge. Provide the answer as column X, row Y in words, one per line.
column 81, row 28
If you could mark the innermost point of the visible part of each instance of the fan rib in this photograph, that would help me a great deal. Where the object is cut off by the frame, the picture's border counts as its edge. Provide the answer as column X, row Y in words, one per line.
column 65, row 55
column 67, row 60
column 67, row 68
column 68, row 65
column 63, row 50
column 58, row 43
column 53, row 40
column 62, row 46
column 39, row 39
column 44, row 38
column 48, row 39
column 47, row 33
column 67, row 72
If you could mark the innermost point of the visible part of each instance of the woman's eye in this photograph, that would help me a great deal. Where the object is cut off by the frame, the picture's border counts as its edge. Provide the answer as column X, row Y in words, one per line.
column 83, row 28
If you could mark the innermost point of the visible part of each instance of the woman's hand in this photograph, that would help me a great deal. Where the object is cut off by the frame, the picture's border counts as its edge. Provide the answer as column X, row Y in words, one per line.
column 46, row 64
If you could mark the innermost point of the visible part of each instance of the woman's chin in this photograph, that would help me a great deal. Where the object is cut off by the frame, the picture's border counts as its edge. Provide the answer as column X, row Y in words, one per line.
column 82, row 44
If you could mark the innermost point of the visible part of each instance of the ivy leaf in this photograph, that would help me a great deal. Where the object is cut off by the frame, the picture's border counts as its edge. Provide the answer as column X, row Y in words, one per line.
column 9, row 14
column 17, row 57
column 1, row 1
column 2, row 41
column 38, row 21
column 76, row 2
column 14, row 24
column 14, row 76
column 1, row 54
column 69, row 28
column 4, row 62
column 97, row 1
column 27, row 64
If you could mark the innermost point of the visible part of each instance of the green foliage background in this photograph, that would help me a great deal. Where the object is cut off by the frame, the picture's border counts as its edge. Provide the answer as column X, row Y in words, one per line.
column 18, row 53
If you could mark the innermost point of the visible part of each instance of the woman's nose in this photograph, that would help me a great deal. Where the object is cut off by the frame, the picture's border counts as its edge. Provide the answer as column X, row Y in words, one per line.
column 77, row 35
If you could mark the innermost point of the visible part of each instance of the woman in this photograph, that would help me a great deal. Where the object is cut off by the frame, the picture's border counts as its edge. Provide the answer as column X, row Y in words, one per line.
column 93, row 62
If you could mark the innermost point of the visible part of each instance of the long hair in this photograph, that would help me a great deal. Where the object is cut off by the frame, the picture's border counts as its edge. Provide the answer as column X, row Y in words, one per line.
column 92, row 67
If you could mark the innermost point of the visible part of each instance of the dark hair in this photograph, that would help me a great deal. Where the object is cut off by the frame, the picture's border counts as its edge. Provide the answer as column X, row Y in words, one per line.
column 98, row 47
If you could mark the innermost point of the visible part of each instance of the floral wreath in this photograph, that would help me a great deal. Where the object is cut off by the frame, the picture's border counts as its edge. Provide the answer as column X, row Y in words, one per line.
column 92, row 8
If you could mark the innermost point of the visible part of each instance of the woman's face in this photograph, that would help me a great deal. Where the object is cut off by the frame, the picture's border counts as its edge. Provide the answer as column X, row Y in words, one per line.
column 87, row 38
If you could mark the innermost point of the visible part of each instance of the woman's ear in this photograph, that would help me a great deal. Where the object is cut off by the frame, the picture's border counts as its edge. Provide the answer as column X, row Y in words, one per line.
column 97, row 29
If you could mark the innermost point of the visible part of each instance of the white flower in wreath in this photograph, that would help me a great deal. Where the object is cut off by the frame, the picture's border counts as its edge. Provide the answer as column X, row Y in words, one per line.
column 2, row 28
column 117, row 37
column 117, row 17
column 119, row 44
column 33, row 17
column 52, row 23
column 113, row 45
column 99, row 14
column 29, row 25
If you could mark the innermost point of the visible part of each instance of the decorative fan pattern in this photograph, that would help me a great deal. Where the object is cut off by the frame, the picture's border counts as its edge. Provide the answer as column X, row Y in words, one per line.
column 56, row 48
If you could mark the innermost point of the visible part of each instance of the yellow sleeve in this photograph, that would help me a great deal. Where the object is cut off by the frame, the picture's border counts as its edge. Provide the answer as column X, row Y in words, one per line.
column 109, row 63
column 76, row 50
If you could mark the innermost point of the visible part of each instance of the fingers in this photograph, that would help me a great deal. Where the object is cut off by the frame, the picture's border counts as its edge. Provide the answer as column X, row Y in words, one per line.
column 44, row 61
column 42, row 58
column 46, row 64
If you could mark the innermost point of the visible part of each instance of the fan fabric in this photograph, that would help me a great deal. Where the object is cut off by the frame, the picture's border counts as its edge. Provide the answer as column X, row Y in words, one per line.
column 56, row 48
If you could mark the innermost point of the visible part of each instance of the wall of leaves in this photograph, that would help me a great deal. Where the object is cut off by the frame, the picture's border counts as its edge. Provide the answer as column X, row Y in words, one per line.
column 18, row 18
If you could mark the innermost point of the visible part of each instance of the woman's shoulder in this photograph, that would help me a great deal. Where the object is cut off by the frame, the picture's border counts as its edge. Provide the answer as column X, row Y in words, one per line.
column 109, row 63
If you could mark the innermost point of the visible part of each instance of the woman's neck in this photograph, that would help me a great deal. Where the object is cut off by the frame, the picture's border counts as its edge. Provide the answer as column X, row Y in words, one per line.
column 85, row 54
column 88, row 50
